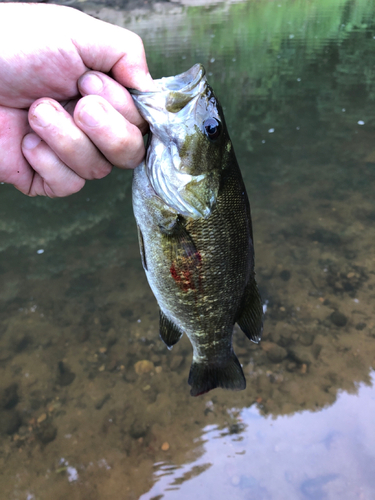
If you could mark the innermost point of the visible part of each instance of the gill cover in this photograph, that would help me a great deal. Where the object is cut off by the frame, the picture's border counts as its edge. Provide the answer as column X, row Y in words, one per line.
column 179, row 114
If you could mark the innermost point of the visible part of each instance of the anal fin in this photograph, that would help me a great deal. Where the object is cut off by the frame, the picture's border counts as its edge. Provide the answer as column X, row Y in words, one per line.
column 169, row 332
column 227, row 374
column 250, row 317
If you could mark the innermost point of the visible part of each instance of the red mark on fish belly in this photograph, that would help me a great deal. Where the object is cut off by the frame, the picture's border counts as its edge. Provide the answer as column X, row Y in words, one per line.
column 186, row 271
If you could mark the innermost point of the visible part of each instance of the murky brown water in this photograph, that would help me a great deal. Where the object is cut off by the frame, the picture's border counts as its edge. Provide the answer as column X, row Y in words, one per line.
column 77, row 419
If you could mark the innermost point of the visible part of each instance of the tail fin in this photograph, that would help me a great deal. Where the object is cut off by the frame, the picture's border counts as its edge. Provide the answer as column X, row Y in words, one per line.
column 205, row 376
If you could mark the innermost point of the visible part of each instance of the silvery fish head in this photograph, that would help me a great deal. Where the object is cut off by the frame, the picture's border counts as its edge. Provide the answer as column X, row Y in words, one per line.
column 189, row 143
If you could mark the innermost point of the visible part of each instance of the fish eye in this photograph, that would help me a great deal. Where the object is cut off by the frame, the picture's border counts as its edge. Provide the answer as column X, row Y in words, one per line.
column 212, row 128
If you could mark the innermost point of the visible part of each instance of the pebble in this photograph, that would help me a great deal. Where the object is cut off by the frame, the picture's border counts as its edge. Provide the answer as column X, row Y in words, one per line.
column 306, row 338
column 99, row 405
column 338, row 318
column 158, row 369
column 176, row 362
column 285, row 275
column 111, row 337
column 41, row 418
column 165, row 446
column 291, row 366
column 46, row 433
column 276, row 354
column 65, row 376
column 10, row 421
column 301, row 355
column 143, row 366
column 360, row 326
column 102, row 368
column 138, row 429
column 9, row 397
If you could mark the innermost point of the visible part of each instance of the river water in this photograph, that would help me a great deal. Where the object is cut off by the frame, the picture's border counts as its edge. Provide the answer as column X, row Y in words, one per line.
column 77, row 418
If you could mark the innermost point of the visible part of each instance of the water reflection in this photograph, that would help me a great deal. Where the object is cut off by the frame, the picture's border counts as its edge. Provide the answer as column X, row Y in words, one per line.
column 92, row 405
column 305, row 456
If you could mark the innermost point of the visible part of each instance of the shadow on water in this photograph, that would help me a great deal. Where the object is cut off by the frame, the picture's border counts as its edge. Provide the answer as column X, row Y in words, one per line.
column 92, row 404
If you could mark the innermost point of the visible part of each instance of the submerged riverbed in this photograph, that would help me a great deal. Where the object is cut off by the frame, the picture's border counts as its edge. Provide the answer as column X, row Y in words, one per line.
column 79, row 417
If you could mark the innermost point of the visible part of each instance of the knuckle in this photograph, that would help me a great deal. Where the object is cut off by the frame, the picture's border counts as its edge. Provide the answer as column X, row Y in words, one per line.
column 76, row 186
column 135, row 153
column 138, row 43
column 120, row 148
column 62, row 190
column 101, row 171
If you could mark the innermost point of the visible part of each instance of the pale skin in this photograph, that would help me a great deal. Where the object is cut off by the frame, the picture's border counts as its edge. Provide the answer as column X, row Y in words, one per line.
column 65, row 115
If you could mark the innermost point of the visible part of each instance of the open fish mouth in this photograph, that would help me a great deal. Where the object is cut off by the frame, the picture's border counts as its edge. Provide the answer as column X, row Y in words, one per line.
column 175, row 112
column 172, row 94
column 184, row 83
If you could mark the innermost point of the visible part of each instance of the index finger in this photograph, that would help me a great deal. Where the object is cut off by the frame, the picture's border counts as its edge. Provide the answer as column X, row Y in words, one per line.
column 96, row 83
column 116, row 50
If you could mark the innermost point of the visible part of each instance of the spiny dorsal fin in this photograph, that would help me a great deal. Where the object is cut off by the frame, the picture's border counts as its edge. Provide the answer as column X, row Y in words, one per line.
column 169, row 332
column 251, row 312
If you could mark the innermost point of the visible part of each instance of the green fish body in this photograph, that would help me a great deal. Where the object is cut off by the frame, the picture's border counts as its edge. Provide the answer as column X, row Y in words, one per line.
column 194, row 227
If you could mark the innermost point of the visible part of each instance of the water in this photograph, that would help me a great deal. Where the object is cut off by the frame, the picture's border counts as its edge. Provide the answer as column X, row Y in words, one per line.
column 297, row 83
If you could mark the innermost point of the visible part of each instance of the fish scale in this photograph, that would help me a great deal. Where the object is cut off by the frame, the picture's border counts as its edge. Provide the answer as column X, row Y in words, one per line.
column 197, row 244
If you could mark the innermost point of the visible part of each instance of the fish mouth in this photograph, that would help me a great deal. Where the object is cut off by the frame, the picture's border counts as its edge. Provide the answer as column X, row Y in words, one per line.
column 185, row 82
column 172, row 111
column 172, row 93
column 173, row 101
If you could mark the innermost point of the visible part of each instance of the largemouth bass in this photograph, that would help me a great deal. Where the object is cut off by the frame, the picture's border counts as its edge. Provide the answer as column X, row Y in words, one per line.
column 194, row 228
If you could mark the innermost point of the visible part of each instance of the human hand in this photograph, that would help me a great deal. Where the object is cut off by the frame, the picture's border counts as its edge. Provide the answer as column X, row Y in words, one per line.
column 51, row 138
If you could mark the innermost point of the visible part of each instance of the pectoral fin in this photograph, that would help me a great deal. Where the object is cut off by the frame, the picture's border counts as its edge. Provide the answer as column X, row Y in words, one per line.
column 251, row 313
column 142, row 248
column 169, row 332
column 185, row 259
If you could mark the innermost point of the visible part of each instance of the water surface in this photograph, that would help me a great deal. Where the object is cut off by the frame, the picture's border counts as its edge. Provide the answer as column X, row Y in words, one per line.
column 297, row 83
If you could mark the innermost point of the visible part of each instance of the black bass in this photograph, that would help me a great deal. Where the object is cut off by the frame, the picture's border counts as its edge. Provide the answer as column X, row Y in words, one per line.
column 194, row 227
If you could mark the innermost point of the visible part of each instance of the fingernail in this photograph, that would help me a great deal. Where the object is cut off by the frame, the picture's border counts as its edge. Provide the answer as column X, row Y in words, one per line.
column 90, row 84
column 93, row 114
column 30, row 141
column 45, row 114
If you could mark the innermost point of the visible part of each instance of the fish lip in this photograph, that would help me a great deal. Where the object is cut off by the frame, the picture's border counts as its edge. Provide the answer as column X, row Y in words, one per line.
column 183, row 83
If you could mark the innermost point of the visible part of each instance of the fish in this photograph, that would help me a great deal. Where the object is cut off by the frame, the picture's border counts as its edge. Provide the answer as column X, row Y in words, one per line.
column 194, row 228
